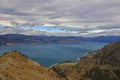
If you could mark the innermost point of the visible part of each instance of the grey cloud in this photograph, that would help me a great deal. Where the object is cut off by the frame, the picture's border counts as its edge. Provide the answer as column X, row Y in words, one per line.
column 77, row 13
column 77, row 9
column 108, row 27
column 105, row 33
column 12, row 12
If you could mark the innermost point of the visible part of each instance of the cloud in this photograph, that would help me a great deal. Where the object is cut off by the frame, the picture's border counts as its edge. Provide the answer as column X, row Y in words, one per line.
column 71, row 17
column 59, row 31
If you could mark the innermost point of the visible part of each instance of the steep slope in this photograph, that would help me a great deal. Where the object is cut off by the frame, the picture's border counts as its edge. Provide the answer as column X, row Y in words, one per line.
column 16, row 66
column 103, row 64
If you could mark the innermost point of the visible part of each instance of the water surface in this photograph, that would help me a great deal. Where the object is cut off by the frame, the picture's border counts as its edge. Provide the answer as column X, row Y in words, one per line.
column 49, row 54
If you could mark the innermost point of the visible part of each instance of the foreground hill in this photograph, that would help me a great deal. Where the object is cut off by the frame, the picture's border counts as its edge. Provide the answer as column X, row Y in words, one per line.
column 103, row 64
column 18, row 39
column 16, row 66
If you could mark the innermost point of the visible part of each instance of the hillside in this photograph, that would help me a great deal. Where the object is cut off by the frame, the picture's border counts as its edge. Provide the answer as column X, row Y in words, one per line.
column 103, row 64
column 16, row 66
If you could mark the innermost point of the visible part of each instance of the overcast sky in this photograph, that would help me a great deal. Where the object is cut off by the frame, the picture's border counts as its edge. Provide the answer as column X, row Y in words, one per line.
column 60, row 17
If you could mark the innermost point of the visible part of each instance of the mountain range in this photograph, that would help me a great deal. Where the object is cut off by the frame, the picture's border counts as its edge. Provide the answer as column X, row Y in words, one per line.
column 18, row 39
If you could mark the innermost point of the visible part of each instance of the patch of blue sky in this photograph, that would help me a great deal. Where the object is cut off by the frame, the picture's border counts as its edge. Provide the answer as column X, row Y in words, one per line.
column 93, row 28
column 1, row 26
column 51, row 28
column 26, row 27
column 69, row 28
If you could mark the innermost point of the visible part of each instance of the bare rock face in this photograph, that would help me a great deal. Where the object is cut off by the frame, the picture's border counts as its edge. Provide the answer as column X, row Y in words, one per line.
column 16, row 66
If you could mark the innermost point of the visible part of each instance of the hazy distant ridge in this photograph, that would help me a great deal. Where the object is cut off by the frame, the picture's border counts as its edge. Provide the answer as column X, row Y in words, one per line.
column 14, row 39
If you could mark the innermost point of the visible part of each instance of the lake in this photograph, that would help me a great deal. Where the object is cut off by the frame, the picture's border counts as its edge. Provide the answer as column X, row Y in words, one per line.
column 49, row 54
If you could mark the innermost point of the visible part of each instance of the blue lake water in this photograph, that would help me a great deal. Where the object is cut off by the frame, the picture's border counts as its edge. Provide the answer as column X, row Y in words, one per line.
column 49, row 54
